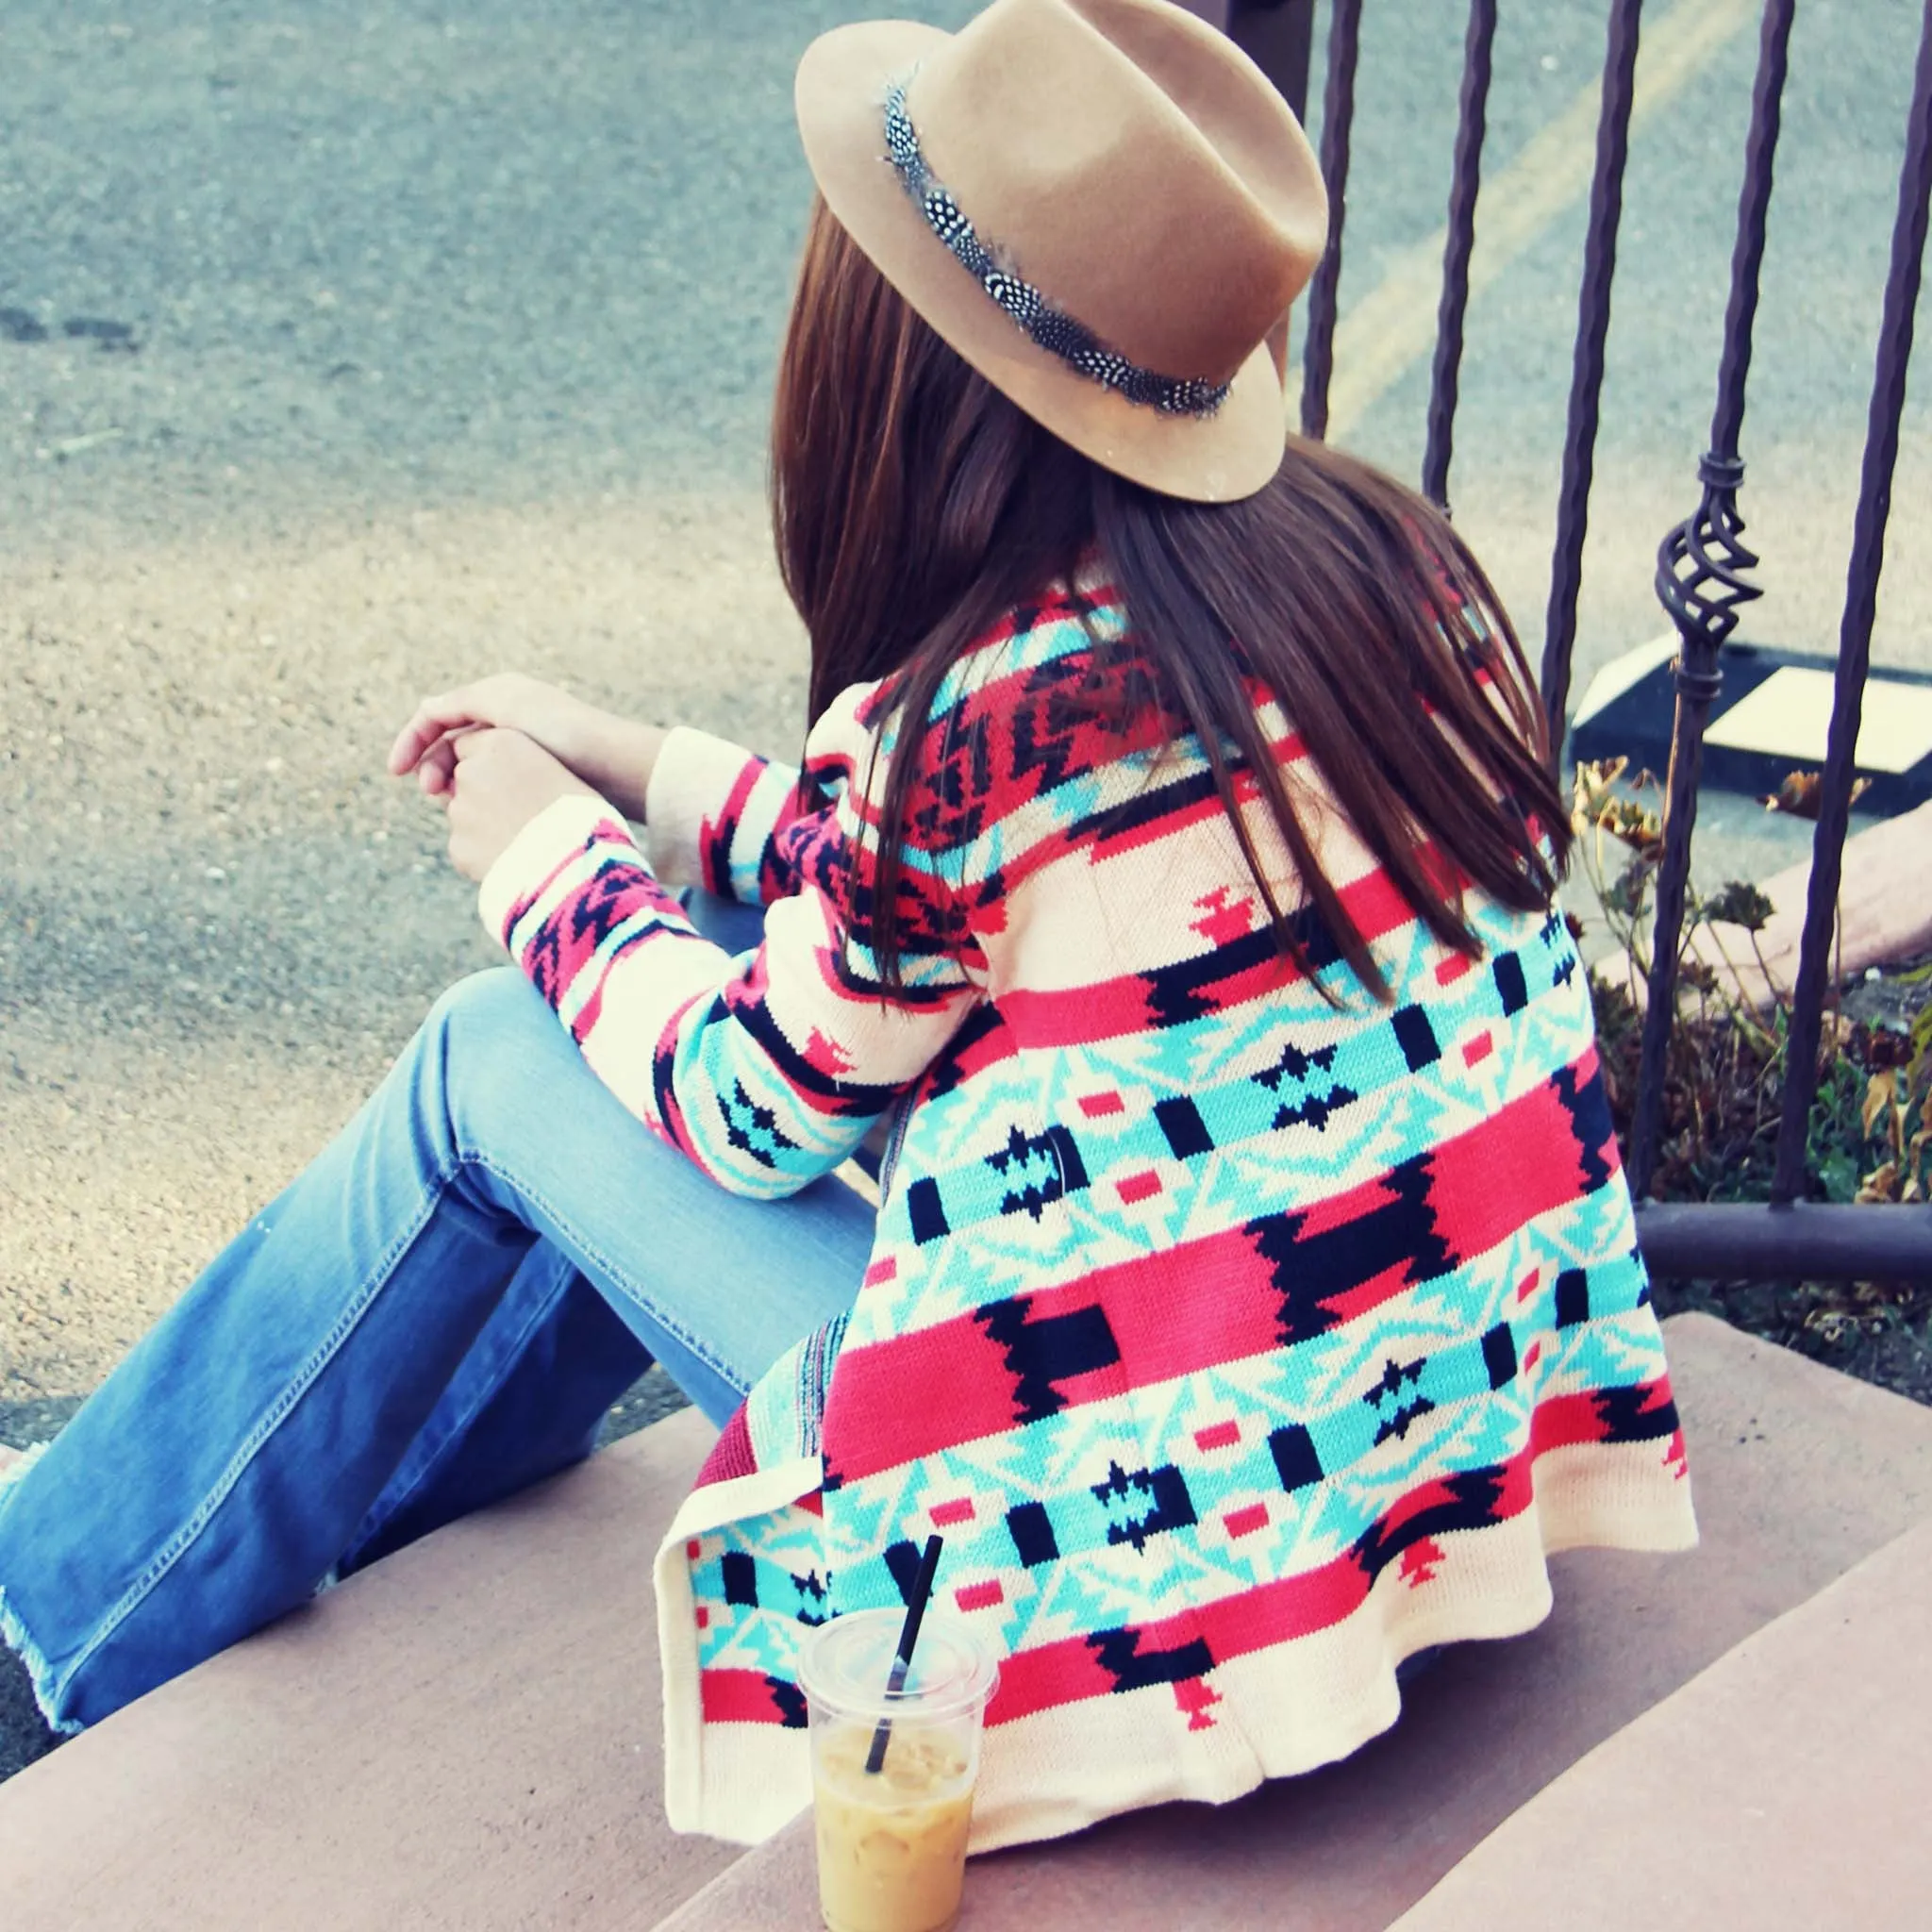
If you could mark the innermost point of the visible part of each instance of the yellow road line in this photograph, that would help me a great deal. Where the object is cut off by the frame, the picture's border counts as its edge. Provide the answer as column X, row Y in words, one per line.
column 1393, row 327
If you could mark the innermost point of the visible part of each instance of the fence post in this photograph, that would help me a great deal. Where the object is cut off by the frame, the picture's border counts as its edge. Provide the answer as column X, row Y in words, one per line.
column 1278, row 36
column 1586, row 370
column 1854, row 629
column 1337, row 121
column 1465, row 179
column 1700, row 581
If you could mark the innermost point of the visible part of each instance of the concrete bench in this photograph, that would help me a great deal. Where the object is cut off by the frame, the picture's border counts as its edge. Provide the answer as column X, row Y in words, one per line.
column 467, row 1734
column 1784, row 1789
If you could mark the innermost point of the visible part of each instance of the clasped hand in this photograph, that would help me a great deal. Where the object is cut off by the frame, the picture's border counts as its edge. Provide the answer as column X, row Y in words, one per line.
column 494, row 754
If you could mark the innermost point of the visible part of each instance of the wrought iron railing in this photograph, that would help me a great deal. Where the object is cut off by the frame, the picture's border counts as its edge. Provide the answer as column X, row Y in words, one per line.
column 1703, row 565
column 1701, row 582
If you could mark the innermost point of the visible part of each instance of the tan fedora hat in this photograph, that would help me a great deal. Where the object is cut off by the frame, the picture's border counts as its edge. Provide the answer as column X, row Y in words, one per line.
column 1101, row 205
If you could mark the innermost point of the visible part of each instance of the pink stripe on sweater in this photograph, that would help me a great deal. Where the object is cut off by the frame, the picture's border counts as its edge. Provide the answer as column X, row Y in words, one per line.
column 604, row 831
column 1200, row 1304
column 1083, row 1015
column 1256, row 1619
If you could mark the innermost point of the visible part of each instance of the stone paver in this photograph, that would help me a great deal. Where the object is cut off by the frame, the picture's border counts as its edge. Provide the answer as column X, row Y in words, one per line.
column 1783, row 1789
column 468, row 1734
column 1884, row 912
column 463, row 1736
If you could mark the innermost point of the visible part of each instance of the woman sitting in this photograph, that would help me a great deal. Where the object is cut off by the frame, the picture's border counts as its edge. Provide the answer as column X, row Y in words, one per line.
column 1253, row 1298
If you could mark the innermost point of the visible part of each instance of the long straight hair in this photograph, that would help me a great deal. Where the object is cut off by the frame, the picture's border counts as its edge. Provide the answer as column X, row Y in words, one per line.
column 914, row 507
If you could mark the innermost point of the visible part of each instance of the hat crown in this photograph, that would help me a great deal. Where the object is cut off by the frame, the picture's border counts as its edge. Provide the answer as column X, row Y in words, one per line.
column 1103, row 206
column 1134, row 166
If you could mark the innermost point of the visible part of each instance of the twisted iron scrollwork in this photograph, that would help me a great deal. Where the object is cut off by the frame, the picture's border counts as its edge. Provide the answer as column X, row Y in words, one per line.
column 1701, row 582
column 1701, row 564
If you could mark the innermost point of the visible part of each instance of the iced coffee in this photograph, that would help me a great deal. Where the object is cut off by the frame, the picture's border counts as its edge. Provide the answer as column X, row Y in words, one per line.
column 893, row 1771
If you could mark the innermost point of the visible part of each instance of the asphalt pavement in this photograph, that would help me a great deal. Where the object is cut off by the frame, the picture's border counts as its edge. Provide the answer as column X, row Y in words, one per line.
column 349, row 350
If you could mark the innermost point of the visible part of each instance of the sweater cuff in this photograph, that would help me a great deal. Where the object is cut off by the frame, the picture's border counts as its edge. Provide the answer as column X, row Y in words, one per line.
column 527, row 866
column 691, row 787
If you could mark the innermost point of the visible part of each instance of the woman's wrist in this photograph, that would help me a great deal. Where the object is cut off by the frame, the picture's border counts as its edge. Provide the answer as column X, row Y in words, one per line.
column 619, row 761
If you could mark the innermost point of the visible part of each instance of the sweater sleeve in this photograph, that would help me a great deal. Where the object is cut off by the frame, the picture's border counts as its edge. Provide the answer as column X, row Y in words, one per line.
column 721, row 817
column 767, row 1071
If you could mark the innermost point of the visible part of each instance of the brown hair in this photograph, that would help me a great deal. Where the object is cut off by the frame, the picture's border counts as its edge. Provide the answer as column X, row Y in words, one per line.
column 914, row 507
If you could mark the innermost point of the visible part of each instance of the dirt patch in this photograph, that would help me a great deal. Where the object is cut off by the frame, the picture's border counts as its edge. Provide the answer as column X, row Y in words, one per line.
column 1880, row 1332
column 223, row 919
column 1890, row 996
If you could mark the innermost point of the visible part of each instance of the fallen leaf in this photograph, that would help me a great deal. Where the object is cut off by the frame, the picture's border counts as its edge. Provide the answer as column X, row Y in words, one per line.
column 1802, row 794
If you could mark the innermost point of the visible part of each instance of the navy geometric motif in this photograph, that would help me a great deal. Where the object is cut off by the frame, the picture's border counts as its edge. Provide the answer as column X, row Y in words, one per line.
column 1511, row 986
column 1054, row 1349
column 1572, row 1297
column 1312, row 1271
column 1499, row 1355
column 1389, row 1383
column 927, row 1215
column 1314, row 1109
column 790, row 1702
column 1064, row 1172
column 1296, row 1065
column 1173, row 1506
column 1295, row 1458
column 763, row 1120
column 741, row 1579
column 1187, row 1132
column 1389, row 1387
column 1119, row 1654
column 901, row 1559
column 1416, row 1038
column 1031, row 1529
column 1397, row 1425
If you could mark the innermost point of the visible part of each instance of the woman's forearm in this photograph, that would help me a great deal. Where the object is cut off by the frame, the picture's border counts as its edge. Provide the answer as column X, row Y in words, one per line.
column 617, row 758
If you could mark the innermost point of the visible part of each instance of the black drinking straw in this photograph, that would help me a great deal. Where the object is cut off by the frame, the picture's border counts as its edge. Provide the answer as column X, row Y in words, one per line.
column 909, row 1636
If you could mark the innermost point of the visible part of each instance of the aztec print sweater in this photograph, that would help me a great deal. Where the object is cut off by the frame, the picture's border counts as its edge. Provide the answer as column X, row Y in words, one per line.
column 1240, row 1345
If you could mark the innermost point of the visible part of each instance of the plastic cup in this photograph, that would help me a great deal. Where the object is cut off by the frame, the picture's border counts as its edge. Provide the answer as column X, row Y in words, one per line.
column 891, row 1843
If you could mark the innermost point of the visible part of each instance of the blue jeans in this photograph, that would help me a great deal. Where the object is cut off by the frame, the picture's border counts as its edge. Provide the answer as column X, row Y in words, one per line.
column 438, row 1312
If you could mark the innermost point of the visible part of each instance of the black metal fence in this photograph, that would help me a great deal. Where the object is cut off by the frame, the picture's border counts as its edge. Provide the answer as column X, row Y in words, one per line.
column 1703, row 564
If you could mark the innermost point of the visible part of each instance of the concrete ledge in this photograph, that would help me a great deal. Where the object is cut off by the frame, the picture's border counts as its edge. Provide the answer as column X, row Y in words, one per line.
column 1784, row 1789
column 1800, row 1474
column 466, row 1735
column 1884, row 908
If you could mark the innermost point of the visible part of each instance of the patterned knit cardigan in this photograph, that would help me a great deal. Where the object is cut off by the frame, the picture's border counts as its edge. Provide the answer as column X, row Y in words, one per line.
column 1241, row 1343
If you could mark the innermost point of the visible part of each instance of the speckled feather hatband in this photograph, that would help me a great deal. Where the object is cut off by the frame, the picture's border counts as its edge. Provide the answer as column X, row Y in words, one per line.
column 1050, row 327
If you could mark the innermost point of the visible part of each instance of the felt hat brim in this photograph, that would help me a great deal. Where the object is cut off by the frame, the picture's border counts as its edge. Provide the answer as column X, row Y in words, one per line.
column 840, row 96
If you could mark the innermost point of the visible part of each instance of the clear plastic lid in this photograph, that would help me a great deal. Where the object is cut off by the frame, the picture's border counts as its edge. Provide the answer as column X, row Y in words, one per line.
column 846, row 1665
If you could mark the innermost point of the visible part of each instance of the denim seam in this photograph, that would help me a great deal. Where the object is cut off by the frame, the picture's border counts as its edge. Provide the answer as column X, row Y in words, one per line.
column 171, row 1553
column 457, row 1428
column 616, row 1274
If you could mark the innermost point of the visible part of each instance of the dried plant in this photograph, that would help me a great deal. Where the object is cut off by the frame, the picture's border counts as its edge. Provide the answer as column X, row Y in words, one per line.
column 1802, row 794
column 1870, row 1131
